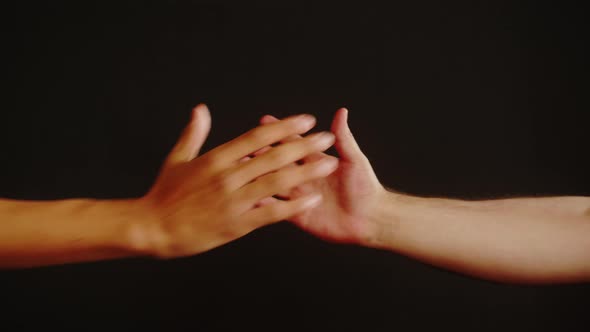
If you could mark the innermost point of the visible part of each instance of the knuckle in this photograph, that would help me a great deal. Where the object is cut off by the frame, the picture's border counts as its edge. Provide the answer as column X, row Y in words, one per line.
column 260, row 135
column 212, row 161
column 223, row 183
column 280, row 157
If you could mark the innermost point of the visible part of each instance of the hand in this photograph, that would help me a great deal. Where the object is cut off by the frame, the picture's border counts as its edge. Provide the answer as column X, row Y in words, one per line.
column 200, row 203
column 350, row 194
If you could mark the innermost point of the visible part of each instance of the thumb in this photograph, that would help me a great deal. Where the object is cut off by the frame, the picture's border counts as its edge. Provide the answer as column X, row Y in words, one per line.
column 193, row 136
column 346, row 145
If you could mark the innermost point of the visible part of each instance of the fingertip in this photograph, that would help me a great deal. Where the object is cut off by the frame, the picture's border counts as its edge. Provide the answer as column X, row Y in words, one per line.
column 268, row 119
column 201, row 110
column 344, row 114
column 332, row 159
column 194, row 113
column 265, row 201
column 307, row 121
column 201, row 106
column 244, row 159
column 340, row 121
column 313, row 200
column 328, row 164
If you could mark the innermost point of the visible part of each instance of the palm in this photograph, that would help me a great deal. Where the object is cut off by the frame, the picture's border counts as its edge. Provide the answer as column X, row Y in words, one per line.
column 348, row 194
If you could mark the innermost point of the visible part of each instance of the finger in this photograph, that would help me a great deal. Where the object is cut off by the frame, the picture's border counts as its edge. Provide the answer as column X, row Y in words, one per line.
column 280, row 210
column 286, row 179
column 279, row 157
column 193, row 136
column 260, row 137
column 261, row 151
column 266, row 149
column 265, row 201
column 270, row 119
column 346, row 145
column 245, row 159
column 266, row 119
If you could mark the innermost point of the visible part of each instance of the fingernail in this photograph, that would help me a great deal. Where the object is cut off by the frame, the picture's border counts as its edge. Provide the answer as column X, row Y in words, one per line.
column 306, row 118
column 325, row 136
column 330, row 163
column 327, row 165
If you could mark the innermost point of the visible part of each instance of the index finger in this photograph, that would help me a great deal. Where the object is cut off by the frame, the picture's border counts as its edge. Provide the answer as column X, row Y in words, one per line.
column 262, row 136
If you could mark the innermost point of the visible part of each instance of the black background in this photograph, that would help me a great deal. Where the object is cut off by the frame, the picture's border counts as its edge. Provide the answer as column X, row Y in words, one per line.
column 464, row 99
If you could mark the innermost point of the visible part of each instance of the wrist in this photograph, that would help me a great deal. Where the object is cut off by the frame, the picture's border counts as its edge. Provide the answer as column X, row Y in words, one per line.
column 384, row 218
column 143, row 234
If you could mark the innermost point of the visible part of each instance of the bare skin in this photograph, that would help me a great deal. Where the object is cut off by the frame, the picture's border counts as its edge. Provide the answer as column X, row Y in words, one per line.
column 519, row 240
column 196, row 204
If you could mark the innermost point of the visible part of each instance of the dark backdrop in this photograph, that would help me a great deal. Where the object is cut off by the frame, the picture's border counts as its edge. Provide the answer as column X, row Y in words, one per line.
column 464, row 99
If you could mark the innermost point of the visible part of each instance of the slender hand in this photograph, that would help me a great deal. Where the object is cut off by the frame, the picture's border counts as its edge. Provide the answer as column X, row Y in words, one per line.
column 520, row 240
column 196, row 204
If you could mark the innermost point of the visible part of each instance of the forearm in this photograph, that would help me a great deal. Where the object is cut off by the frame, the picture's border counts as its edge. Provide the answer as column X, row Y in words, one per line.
column 513, row 240
column 37, row 233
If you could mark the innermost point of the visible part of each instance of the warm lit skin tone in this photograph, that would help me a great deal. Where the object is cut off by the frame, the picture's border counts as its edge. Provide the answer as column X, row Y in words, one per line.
column 197, row 202
column 519, row 240
column 200, row 202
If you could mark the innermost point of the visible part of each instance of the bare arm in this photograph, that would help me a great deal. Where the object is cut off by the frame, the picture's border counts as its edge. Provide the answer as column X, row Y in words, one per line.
column 56, row 232
column 530, row 240
column 196, row 203
column 521, row 240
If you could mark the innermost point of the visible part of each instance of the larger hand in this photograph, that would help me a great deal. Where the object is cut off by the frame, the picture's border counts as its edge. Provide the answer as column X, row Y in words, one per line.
column 349, row 194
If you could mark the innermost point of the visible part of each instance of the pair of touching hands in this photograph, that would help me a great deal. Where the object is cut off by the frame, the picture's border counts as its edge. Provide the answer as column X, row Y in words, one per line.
column 269, row 174
column 275, row 172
